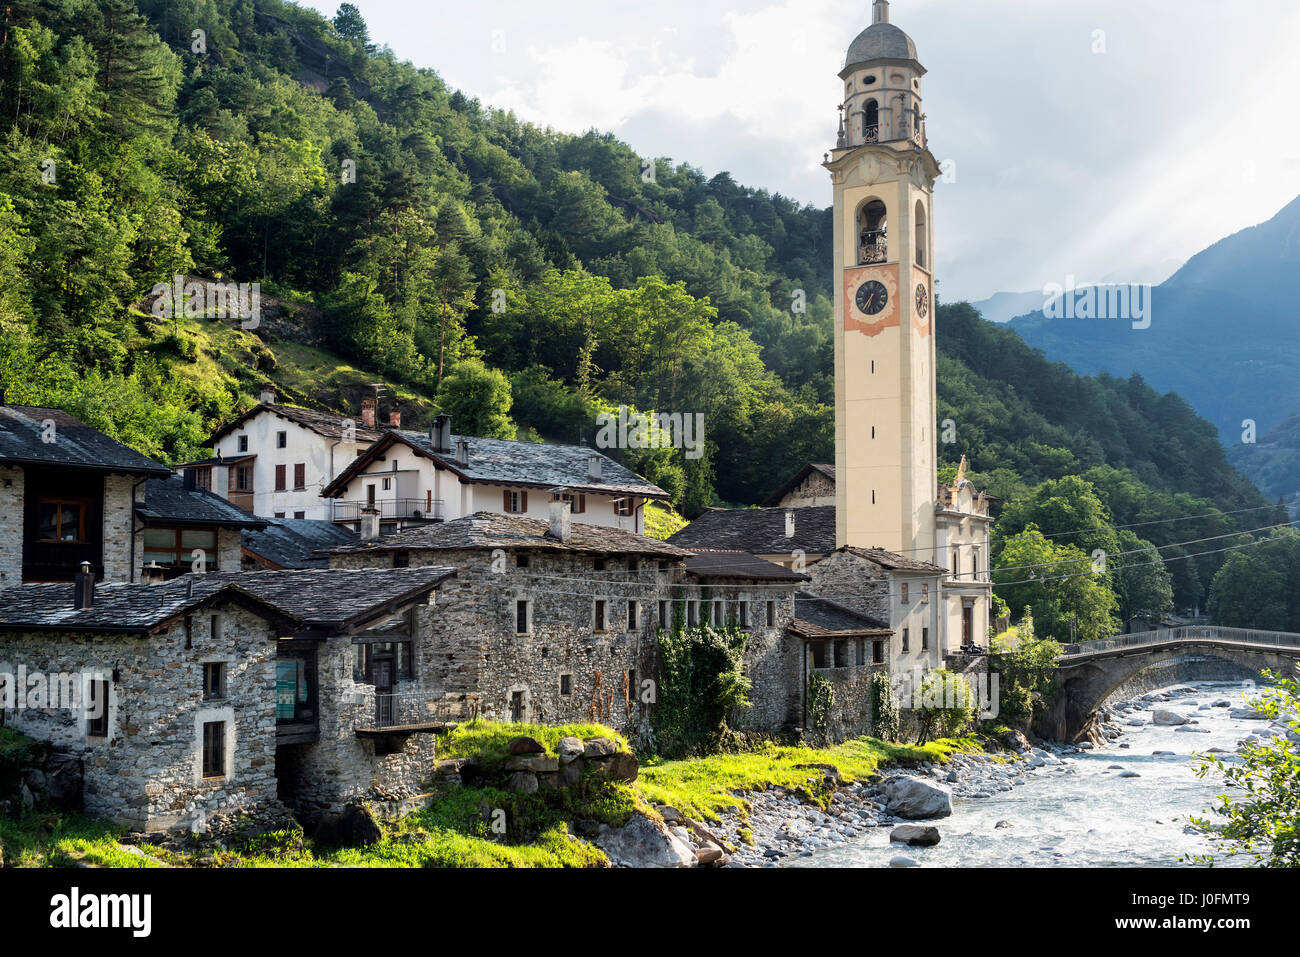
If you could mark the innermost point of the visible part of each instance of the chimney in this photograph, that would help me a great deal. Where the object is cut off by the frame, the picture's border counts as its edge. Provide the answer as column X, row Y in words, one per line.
column 83, row 594
column 880, row 12
column 462, row 451
column 559, row 529
column 440, row 433
column 221, row 480
column 152, row 574
column 369, row 524
column 593, row 468
column 368, row 413
column 268, row 394
column 395, row 418
column 789, row 524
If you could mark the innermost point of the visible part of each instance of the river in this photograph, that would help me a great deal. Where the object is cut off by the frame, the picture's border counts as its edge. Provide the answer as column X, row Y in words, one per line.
column 1082, row 813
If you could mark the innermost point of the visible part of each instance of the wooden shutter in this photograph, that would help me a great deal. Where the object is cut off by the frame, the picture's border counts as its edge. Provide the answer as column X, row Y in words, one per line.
column 523, row 501
column 582, row 503
column 300, row 475
column 279, row 478
column 505, row 500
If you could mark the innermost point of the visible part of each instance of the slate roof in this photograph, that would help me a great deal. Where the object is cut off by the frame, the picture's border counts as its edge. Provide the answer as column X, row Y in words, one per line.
column 719, row 564
column 895, row 562
column 761, row 531
column 328, row 424
column 880, row 41
column 493, row 530
column 169, row 502
column 519, row 464
column 816, row 617
column 797, row 479
column 296, row 542
column 76, row 444
column 330, row 599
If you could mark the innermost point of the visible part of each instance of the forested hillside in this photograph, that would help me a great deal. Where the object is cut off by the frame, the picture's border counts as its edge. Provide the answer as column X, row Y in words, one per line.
column 521, row 279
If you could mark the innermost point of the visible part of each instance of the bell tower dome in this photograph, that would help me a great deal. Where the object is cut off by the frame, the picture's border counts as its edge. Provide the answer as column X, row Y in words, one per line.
column 883, row 176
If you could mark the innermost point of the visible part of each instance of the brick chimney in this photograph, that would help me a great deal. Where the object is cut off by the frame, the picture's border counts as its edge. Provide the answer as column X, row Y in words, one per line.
column 789, row 524
column 559, row 529
column 268, row 394
column 395, row 418
column 83, row 586
column 368, row 413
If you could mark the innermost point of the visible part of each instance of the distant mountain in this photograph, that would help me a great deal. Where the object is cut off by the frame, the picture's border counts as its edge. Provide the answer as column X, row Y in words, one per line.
column 1273, row 460
column 1223, row 333
column 1005, row 306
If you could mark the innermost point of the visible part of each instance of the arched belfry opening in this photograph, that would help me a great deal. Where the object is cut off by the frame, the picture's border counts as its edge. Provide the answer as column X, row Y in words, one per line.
column 871, row 122
column 873, row 232
column 922, row 235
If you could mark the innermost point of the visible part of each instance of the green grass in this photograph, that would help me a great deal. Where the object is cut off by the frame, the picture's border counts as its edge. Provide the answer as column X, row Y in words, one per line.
column 52, row 839
column 702, row 787
column 488, row 741
column 662, row 520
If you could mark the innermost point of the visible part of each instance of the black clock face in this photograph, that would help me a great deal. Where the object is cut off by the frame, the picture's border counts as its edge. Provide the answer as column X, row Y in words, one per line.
column 872, row 297
column 922, row 300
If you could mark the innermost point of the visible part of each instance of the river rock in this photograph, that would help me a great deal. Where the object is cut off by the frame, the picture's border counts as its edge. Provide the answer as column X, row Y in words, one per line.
column 1191, row 730
column 1003, row 825
column 525, row 745
column 1015, row 740
column 913, row 799
column 599, row 748
column 642, row 842
column 901, row 861
column 1250, row 714
column 1130, row 774
column 915, row 835
column 570, row 749
column 1167, row 718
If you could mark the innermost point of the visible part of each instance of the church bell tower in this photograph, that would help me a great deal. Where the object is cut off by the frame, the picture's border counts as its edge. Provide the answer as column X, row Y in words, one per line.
column 883, row 176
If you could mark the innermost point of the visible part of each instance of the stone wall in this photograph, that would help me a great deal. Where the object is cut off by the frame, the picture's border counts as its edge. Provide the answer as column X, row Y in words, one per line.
column 119, row 515
column 147, row 773
column 853, row 582
column 816, row 489
column 851, row 716
column 11, row 526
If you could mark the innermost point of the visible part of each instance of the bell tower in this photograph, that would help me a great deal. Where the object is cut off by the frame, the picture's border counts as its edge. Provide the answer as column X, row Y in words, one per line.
column 883, row 177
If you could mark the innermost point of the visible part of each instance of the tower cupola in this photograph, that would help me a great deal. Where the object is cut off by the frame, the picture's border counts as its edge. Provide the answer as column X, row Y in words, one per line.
column 882, row 86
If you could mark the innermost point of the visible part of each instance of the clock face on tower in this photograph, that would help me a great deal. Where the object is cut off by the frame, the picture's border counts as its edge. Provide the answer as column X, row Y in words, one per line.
column 872, row 298
column 922, row 300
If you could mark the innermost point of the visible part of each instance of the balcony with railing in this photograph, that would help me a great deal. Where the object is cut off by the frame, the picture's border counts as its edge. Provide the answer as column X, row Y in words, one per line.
column 873, row 247
column 417, row 712
column 390, row 509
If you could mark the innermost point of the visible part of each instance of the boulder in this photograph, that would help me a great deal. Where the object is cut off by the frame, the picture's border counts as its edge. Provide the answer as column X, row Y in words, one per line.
column 571, row 772
column 1249, row 714
column 670, row 814
column 537, row 763
column 915, row 835
column 1002, row 825
column 710, row 854
column 570, row 749
column 525, row 781
column 901, row 861
column 1015, row 740
column 622, row 766
column 599, row 748
column 1167, row 718
column 1130, row 774
column 913, row 799
column 525, row 745
column 642, row 842
column 63, row 781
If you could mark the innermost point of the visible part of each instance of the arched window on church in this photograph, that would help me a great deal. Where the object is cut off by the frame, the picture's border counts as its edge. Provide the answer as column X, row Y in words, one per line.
column 916, row 119
column 873, row 233
column 921, row 235
column 871, row 122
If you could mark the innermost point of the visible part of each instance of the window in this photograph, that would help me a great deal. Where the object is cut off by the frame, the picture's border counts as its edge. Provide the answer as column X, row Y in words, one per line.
column 600, row 614
column 300, row 475
column 905, row 597
column 402, row 559
column 771, row 614
column 742, row 614
column 598, row 565
column 624, row 506
column 515, row 503
column 975, row 563
column 521, row 560
column 907, row 634
column 365, row 653
column 871, row 121
column 566, row 684
column 521, row 618
column 877, row 652
column 279, row 514
column 692, row 613
column 300, row 515
column 631, row 616
column 925, row 592
column 818, row 649
column 97, row 710
column 925, row 639
column 214, row 680
column 61, row 521
column 920, row 232
column 243, row 443
column 860, row 657
column 214, row 749
column 873, row 233
column 280, row 479
column 956, row 563
column 664, row 613
column 841, row 654
column 282, row 440
column 174, row 547
column 388, row 485
column 577, row 503
column 214, row 628
column 202, row 478
column 243, row 478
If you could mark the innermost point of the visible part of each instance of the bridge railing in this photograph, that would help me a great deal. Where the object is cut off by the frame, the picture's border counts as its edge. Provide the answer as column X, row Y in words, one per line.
column 1252, row 636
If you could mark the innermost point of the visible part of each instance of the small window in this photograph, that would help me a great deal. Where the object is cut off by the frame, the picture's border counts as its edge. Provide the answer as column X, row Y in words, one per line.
column 631, row 616
column 975, row 563
column 243, row 443
column 907, row 635
column 877, row 652
column 905, row 593
column 925, row 639
column 514, row 503
column 214, row 680
column 214, row 628
column 841, row 654
column 624, row 506
column 300, row 475
column 818, row 653
column 925, row 593
column 279, row 514
column 598, row 565
column 282, row 440
column 521, row 560
column 600, row 614
column 402, row 559
column 956, row 563
column 97, row 710
column 300, row 515
column 631, row 683
column 566, row 684
column 388, row 485
column 664, row 621
column 861, row 652
column 742, row 614
column 771, row 614
column 58, row 521
column 521, row 618
column 214, row 749
column 692, row 613
column 358, row 662
column 281, row 477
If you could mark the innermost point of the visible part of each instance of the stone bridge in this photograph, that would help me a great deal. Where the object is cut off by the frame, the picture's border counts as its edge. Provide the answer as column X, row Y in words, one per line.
column 1091, row 671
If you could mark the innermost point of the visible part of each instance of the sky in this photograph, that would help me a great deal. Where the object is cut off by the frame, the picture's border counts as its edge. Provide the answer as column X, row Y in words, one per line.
column 1108, row 140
